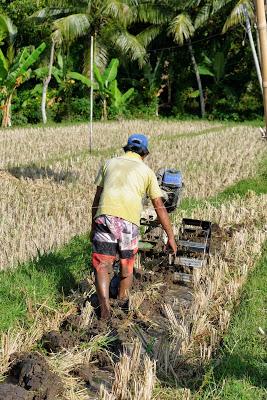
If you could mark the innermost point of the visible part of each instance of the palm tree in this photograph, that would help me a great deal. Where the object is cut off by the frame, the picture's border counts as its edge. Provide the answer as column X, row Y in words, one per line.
column 7, row 30
column 104, row 20
column 174, row 17
column 182, row 28
column 243, row 12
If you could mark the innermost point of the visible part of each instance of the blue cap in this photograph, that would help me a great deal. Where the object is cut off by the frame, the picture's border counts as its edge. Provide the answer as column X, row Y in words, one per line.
column 138, row 140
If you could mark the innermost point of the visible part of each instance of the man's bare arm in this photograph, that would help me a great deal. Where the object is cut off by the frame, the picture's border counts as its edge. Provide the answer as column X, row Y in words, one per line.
column 96, row 202
column 165, row 221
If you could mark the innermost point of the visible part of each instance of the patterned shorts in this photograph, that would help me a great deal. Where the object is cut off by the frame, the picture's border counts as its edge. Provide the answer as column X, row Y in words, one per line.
column 112, row 236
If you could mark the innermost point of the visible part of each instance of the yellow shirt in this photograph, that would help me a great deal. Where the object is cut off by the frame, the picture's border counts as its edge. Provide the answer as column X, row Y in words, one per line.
column 125, row 181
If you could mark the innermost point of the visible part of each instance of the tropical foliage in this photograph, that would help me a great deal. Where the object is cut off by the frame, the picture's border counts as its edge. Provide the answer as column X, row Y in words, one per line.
column 156, row 58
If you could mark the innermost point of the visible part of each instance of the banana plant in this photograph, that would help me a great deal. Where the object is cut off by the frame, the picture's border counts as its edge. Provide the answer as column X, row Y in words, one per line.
column 107, row 87
column 119, row 100
column 214, row 66
column 14, row 71
column 102, row 82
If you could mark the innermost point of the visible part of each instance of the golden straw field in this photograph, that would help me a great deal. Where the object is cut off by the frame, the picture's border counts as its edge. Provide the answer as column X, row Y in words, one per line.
column 47, row 185
column 47, row 174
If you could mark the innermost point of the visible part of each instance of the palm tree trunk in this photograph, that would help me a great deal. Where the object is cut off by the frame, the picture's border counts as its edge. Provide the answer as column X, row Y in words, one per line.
column 46, row 83
column 252, row 45
column 105, row 110
column 91, row 92
column 199, row 83
column 157, row 107
column 6, row 121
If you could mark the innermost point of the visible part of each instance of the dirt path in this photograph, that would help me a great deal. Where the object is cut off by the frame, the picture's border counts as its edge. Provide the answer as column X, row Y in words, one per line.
column 144, row 317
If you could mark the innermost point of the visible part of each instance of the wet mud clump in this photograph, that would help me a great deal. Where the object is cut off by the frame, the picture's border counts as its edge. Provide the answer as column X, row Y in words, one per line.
column 30, row 379
column 13, row 392
column 55, row 341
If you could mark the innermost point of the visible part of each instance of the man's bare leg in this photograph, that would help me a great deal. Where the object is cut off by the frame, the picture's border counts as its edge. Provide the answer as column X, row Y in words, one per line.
column 126, row 279
column 125, row 286
column 102, row 289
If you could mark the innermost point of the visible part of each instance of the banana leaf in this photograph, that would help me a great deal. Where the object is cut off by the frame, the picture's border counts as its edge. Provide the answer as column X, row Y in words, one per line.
column 203, row 70
column 42, row 73
column 99, row 79
column 32, row 58
column 60, row 61
column 3, row 66
column 115, row 94
column 79, row 77
column 27, row 60
column 110, row 72
column 127, row 95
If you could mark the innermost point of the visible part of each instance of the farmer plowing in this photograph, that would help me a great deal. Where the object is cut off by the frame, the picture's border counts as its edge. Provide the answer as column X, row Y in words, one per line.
column 123, row 185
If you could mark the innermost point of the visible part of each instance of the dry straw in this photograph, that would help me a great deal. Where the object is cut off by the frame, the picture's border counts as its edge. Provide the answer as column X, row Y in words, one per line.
column 135, row 377
column 44, row 206
column 47, row 174
column 196, row 332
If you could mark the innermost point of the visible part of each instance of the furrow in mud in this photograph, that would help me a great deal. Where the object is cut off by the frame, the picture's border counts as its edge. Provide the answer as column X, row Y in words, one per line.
column 144, row 317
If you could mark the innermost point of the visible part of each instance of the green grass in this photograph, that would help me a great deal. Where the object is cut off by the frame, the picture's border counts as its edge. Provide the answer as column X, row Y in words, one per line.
column 240, row 372
column 47, row 279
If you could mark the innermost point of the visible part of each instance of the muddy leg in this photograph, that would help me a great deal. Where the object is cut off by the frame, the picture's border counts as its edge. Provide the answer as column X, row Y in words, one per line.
column 102, row 289
column 125, row 286
column 126, row 278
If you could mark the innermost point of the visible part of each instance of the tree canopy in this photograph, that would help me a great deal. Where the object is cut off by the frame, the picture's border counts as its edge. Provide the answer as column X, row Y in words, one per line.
column 174, row 59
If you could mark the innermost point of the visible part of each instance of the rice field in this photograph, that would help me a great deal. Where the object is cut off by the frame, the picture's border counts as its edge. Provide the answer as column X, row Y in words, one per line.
column 47, row 174
column 46, row 193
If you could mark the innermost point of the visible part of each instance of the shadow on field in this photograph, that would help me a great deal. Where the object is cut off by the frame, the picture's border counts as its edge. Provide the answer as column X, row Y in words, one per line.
column 35, row 172
column 67, row 267
column 47, row 279
column 242, row 366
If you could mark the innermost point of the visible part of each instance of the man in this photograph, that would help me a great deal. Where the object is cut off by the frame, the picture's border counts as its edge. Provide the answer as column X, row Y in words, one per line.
column 121, row 185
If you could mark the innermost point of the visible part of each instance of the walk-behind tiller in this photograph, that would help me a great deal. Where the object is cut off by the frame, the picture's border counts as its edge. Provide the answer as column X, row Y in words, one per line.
column 193, row 239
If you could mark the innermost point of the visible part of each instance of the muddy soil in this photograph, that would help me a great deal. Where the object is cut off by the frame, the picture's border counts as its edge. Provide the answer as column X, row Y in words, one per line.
column 12, row 392
column 30, row 378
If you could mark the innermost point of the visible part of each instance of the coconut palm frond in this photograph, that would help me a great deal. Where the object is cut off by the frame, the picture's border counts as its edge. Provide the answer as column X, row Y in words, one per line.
column 7, row 28
column 237, row 15
column 186, row 5
column 101, row 55
column 67, row 3
column 203, row 15
column 120, row 10
column 147, row 35
column 72, row 26
column 129, row 44
column 154, row 14
column 47, row 12
column 182, row 28
column 217, row 5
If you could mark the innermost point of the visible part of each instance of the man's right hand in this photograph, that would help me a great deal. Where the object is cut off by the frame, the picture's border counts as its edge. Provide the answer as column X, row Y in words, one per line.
column 164, row 219
column 172, row 244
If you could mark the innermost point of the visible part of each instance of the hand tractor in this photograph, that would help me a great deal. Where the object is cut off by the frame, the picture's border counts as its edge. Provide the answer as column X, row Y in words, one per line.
column 193, row 239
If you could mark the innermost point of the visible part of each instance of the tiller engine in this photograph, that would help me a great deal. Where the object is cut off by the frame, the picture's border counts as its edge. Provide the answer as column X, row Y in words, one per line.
column 193, row 238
